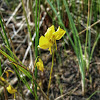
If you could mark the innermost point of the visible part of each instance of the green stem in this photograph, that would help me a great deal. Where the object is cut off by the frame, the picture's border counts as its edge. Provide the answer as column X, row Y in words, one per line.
column 93, row 95
column 51, row 72
column 87, row 34
column 0, row 68
column 4, row 31
column 36, row 41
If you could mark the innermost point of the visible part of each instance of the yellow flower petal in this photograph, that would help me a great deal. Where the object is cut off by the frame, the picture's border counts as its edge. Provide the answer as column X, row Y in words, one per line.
column 49, row 32
column 40, row 65
column 11, row 90
column 44, row 43
column 59, row 33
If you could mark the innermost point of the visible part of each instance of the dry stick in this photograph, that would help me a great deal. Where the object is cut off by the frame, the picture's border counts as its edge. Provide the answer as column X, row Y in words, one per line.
column 14, row 13
column 89, row 27
column 43, row 93
column 85, row 29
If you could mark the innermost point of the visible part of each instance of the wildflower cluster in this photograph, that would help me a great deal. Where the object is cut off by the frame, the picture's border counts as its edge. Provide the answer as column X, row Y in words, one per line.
column 47, row 42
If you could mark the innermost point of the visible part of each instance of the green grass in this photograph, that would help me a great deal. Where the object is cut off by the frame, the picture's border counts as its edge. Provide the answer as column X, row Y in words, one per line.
column 57, row 10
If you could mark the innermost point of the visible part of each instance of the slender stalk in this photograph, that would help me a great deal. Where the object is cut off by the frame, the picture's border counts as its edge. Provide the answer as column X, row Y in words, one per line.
column 36, row 40
column 94, row 45
column 89, row 27
column 36, row 29
column 4, row 31
column 31, row 9
column 2, row 38
column 21, row 89
column 87, row 34
column 8, row 35
column 89, row 41
column 50, row 73
column 43, row 93
column 38, row 20
column 93, row 95
column 0, row 68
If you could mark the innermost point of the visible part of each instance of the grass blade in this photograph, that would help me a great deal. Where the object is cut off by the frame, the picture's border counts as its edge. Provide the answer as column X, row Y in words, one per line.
column 78, row 48
column 94, row 45
column 0, row 68
column 4, row 31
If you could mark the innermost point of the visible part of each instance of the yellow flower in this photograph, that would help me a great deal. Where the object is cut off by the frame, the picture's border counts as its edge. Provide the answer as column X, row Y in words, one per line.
column 47, row 41
column 50, row 32
column 11, row 90
column 44, row 43
column 40, row 65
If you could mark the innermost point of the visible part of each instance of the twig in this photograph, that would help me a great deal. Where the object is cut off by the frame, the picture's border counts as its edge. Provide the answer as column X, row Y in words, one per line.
column 89, row 27
column 14, row 13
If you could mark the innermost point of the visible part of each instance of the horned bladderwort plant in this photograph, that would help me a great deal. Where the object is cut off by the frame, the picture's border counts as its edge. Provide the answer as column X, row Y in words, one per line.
column 76, row 44
column 49, row 42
